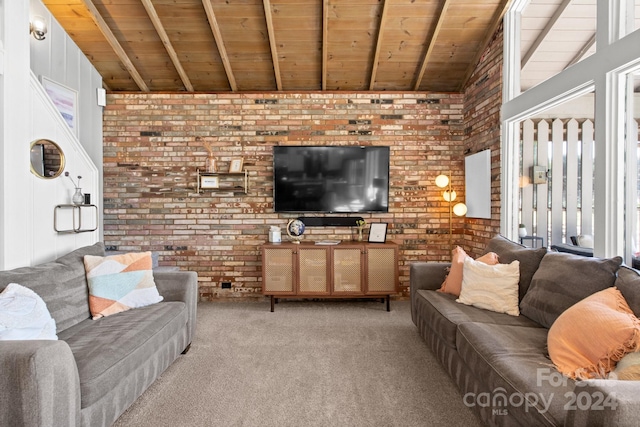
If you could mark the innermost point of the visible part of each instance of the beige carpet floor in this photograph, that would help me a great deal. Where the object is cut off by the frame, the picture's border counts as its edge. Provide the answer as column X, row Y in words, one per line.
column 310, row 363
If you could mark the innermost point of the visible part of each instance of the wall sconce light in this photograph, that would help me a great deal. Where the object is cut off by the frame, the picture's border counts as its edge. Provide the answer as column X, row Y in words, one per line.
column 460, row 209
column 38, row 27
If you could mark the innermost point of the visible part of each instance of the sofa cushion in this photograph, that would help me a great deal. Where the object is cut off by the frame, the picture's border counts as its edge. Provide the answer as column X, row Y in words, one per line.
column 510, row 361
column 444, row 314
column 628, row 282
column 491, row 287
column 62, row 285
column 24, row 315
column 564, row 279
column 589, row 338
column 509, row 251
column 120, row 282
column 453, row 282
column 110, row 349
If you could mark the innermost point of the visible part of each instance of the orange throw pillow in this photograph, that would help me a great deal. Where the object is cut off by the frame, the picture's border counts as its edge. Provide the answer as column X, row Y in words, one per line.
column 590, row 337
column 453, row 282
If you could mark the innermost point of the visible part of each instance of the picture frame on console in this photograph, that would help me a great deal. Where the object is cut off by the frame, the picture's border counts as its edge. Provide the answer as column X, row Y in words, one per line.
column 378, row 232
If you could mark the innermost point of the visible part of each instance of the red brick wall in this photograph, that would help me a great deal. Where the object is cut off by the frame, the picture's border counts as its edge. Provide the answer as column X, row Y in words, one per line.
column 483, row 99
column 153, row 144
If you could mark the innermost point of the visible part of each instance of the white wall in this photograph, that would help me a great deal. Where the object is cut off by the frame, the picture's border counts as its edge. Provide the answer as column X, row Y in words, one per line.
column 27, row 204
column 59, row 58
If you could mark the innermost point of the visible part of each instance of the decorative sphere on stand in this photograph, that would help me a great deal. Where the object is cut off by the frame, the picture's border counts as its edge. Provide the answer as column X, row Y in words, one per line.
column 295, row 229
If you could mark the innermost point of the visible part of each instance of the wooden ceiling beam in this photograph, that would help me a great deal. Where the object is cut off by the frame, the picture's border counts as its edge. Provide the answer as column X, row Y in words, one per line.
column 583, row 51
column 272, row 42
column 496, row 21
column 543, row 34
column 432, row 44
column 325, row 40
column 376, row 56
column 115, row 45
column 155, row 19
column 217, row 35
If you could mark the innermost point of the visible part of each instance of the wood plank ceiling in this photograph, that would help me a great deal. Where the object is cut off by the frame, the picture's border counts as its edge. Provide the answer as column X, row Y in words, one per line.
column 283, row 45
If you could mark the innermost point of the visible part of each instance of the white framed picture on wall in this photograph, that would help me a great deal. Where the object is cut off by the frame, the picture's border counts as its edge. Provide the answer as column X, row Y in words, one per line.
column 64, row 99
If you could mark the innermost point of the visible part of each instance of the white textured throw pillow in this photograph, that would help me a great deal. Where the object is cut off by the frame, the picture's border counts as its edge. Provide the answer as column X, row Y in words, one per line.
column 24, row 315
column 585, row 240
column 491, row 287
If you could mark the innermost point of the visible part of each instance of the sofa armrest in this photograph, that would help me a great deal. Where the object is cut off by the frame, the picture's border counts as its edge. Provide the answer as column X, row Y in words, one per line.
column 180, row 286
column 604, row 403
column 39, row 385
column 425, row 275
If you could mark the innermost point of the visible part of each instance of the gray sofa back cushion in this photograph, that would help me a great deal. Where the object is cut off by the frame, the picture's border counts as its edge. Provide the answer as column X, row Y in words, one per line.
column 564, row 279
column 509, row 251
column 62, row 284
column 628, row 282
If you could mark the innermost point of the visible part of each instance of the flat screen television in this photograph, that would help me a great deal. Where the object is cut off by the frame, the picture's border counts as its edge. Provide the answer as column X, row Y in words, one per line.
column 331, row 179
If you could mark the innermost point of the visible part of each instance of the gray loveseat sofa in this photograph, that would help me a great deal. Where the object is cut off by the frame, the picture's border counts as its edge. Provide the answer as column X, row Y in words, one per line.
column 97, row 368
column 501, row 363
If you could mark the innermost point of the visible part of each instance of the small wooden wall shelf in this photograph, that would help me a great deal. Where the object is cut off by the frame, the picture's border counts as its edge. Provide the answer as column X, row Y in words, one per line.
column 238, row 182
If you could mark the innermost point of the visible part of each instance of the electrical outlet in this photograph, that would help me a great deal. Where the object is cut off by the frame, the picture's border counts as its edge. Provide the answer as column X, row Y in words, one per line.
column 539, row 175
column 226, row 285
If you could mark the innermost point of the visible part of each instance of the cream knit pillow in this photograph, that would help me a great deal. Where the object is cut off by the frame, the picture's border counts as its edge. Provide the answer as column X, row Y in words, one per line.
column 491, row 287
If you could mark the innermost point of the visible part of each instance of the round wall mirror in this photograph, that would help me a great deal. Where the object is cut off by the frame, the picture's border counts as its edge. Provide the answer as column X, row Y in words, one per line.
column 47, row 159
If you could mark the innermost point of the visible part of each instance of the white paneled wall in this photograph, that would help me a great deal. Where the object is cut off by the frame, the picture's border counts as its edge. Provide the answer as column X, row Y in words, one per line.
column 59, row 58
column 27, row 203
column 47, row 193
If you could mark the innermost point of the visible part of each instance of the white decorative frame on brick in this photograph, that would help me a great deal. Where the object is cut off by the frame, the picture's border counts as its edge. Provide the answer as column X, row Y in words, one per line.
column 209, row 181
column 477, row 172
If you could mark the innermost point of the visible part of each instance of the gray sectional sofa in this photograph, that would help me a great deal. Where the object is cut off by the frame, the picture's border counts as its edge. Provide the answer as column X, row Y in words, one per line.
column 501, row 363
column 97, row 368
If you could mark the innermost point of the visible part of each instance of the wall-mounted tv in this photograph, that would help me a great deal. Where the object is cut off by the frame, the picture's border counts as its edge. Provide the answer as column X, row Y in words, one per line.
column 331, row 179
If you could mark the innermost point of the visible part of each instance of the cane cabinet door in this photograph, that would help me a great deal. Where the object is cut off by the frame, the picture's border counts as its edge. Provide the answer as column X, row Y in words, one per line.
column 347, row 269
column 313, row 273
column 382, row 269
column 278, row 270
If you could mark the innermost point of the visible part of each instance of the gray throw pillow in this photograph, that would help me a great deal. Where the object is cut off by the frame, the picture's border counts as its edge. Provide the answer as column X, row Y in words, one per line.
column 628, row 282
column 509, row 251
column 564, row 279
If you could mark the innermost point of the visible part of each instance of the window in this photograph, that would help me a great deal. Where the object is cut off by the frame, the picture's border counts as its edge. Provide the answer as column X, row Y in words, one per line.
column 602, row 75
column 554, row 35
column 556, row 171
column 632, row 137
column 630, row 16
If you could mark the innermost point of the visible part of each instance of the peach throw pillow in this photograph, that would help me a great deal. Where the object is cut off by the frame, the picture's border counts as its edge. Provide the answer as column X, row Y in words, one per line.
column 590, row 337
column 453, row 282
